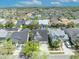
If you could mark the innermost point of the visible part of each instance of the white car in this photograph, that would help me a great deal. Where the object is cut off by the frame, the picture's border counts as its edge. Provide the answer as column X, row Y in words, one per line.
column 67, row 43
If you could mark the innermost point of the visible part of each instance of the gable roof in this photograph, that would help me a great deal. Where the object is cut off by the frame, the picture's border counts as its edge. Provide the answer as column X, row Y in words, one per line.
column 40, row 35
column 57, row 33
column 20, row 22
column 73, row 33
column 25, row 30
column 21, row 37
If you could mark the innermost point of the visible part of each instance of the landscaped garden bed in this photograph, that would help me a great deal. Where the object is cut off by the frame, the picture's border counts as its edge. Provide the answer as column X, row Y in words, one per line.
column 55, row 49
column 56, row 52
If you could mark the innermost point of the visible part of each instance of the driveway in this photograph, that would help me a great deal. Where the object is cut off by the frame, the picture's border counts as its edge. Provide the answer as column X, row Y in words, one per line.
column 17, row 50
column 44, row 48
column 67, row 51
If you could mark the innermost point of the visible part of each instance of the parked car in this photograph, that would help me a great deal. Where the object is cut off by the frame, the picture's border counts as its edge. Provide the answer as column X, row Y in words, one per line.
column 67, row 43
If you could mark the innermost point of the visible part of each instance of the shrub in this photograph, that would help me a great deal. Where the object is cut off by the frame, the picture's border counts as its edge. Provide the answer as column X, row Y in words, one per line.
column 55, row 44
column 30, row 47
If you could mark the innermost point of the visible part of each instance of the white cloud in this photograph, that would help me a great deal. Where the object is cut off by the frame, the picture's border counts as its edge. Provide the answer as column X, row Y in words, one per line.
column 68, row 0
column 75, row 0
column 29, row 3
column 56, row 3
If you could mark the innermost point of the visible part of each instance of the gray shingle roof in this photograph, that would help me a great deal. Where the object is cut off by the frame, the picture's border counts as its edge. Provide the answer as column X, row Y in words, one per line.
column 73, row 33
column 20, row 37
column 40, row 35
column 20, row 22
column 11, row 29
column 57, row 33
column 25, row 30
column 25, row 22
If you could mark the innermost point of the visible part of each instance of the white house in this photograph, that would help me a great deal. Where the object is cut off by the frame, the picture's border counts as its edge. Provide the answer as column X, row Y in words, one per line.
column 43, row 22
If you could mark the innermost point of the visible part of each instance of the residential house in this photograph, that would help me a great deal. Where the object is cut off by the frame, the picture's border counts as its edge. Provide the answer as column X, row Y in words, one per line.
column 20, row 37
column 40, row 35
column 57, row 34
column 4, row 34
column 73, row 34
column 23, row 22
column 20, row 22
column 43, row 23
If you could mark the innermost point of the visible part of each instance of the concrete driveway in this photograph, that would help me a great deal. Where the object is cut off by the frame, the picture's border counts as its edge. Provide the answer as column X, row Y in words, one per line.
column 44, row 48
column 18, row 50
column 67, row 51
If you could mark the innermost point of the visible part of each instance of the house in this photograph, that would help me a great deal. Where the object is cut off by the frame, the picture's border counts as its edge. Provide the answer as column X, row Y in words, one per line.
column 20, row 37
column 20, row 22
column 23, row 22
column 43, row 23
column 4, row 34
column 57, row 34
column 73, row 34
column 40, row 35
column 28, row 22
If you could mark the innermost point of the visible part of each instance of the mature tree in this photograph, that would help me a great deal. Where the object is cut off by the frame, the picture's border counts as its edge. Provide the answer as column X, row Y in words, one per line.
column 70, row 24
column 55, row 44
column 36, row 18
column 34, row 25
column 9, row 24
column 31, row 26
column 30, row 47
column 1, row 26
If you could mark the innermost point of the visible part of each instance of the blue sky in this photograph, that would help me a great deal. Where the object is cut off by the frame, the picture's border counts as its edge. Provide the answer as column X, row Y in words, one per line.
column 37, row 3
